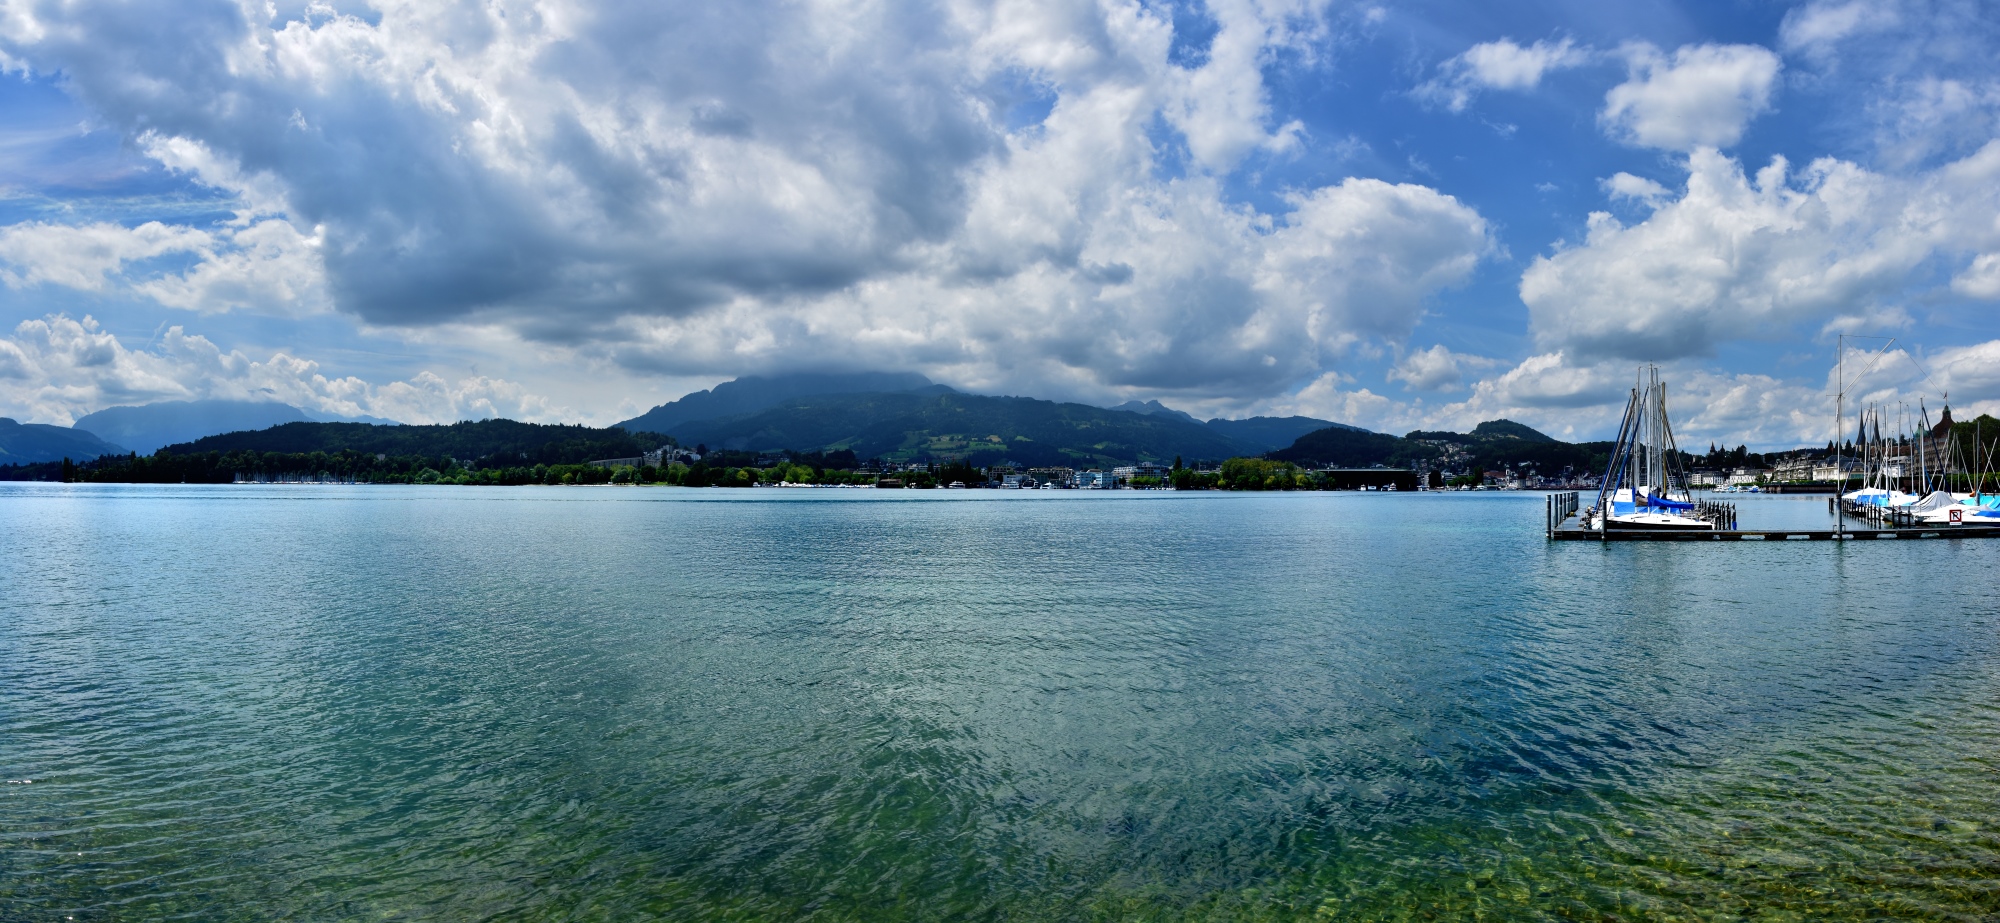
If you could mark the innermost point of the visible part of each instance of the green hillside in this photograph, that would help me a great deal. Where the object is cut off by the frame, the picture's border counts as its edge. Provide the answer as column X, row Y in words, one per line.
column 1347, row 448
column 981, row 429
column 1508, row 429
column 753, row 393
column 491, row 443
column 1492, row 445
column 1264, row 434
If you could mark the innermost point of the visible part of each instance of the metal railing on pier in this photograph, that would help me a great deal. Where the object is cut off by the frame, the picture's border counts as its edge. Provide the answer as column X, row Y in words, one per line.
column 1723, row 515
column 1881, row 517
column 1560, row 507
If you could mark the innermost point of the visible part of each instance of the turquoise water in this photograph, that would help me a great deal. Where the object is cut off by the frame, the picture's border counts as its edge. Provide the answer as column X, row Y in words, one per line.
column 400, row 703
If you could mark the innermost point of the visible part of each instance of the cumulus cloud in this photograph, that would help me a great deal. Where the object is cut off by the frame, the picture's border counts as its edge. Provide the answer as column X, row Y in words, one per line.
column 1223, row 107
column 1499, row 65
column 1738, row 256
column 1170, row 293
column 84, row 256
column 1577, row 400
column 265, row 265
column 1626, row 186
column 56, row 368
column 1981, row 279
column 690, row 189
column 1701, row 96
column 1436, row 369
column 1970, row 373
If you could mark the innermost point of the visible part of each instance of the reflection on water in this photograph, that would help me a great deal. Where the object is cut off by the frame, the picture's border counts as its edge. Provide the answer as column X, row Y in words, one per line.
column 414, row 703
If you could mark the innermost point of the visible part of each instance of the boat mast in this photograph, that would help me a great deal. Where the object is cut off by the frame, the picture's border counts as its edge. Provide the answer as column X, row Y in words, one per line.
column 1620, row 459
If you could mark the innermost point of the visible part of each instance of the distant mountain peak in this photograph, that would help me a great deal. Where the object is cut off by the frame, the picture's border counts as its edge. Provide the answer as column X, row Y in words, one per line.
column 1155, row 408
column 753, row 393
column 27, row 443
column 1258, row 435
column 145, row 428
column 1508, row 429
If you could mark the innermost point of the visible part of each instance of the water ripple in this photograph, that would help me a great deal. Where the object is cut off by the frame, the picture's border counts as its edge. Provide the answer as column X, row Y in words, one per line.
column 582, row 704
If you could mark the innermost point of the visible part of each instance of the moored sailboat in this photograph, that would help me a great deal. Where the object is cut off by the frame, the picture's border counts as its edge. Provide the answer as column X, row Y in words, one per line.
column 1645, row 488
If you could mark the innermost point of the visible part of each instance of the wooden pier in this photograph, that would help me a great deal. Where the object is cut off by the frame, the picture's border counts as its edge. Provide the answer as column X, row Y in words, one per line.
column 1563, row 526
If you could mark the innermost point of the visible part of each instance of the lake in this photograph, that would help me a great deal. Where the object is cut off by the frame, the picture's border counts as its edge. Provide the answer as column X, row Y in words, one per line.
column 406, row 703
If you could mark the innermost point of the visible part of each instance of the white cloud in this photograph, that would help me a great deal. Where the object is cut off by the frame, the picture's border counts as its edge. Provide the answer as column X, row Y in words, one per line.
column 1981, row 279
column 265, row 266
column 1500, row 65
column 1325, row 398
column 1925, row 116
column 1166, row 293
column 1970, row 374
column 55, row 368
column 1703, row 96
column 268, row 267
column 1815, row 28
column 1581, row 400
column 1360, row 257
column 771, row 186
column 1436, row 369
column 83, row 256
column 1626, row 186
column 1223, row 107
column 1740, row 257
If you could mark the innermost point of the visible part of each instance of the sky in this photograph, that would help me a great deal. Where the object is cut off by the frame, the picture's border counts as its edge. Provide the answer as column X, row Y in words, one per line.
column 1396, row 215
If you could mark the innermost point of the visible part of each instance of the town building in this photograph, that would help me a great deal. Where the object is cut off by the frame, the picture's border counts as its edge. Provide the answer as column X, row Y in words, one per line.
column 1749, row 474
column 1093, row 480
column 670, row 455
column 1125, row 473
column 1060, row 477
column 1827, row 470
column 1791, row 470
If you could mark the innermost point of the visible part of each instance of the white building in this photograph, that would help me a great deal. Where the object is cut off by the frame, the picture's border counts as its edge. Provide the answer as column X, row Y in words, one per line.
column 1747, row 475
column 1126, row 473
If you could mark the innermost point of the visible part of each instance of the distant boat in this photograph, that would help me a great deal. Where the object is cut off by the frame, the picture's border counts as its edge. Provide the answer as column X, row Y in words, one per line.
column 1645, row 488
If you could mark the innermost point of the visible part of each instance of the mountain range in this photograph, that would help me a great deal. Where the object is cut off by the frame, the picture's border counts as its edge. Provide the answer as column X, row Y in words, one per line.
column 897, row 416
column 484, row 443
column 943, row 423
column 906, row 415
column 145, row 428
column 752, row 393
column 30, row 443
column 1492, row 445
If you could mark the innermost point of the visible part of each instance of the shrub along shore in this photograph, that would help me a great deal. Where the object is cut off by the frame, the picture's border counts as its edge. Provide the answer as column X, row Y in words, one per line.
column 729, row 470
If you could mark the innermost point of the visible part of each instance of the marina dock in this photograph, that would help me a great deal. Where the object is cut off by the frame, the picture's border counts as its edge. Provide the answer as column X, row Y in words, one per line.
column 1563, row 526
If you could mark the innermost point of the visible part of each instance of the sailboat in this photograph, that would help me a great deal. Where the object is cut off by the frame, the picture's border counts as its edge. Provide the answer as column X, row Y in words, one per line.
column 1645, row 487
column 1978, row 508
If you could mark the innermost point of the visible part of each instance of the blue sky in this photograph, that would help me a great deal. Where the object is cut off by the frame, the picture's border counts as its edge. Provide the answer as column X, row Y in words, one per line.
column 1402, row 216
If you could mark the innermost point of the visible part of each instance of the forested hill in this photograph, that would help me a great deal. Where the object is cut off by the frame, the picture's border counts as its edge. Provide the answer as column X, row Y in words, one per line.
column 947, row 424
column 1492, row 445
column 28, row 443
column 497, row 443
